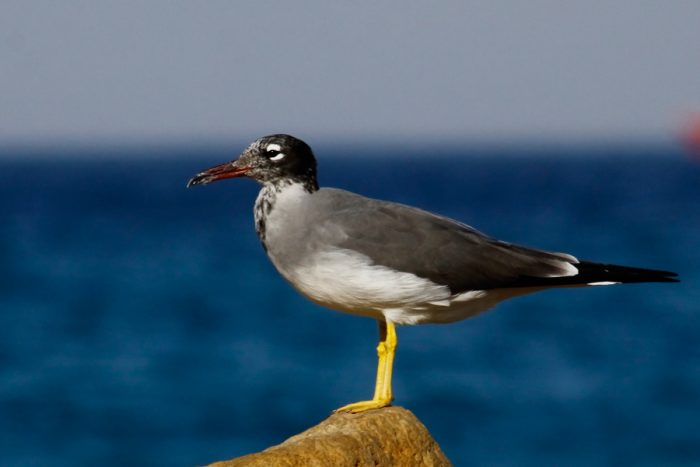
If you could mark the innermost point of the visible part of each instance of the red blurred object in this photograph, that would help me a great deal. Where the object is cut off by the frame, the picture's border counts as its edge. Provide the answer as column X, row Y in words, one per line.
column 691, row 136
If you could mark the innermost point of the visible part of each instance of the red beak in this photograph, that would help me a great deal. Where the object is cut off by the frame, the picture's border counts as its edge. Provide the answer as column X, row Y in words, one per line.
column 227, row 170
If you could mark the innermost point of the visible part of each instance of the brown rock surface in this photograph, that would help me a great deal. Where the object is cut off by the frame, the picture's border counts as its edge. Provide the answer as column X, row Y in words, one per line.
column 391, row 436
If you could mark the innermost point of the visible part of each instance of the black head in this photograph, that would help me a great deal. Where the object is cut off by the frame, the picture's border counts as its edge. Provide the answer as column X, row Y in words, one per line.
column 270, row 159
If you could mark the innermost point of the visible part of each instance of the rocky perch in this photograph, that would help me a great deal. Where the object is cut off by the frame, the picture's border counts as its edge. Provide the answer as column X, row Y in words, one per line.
column 391, row 436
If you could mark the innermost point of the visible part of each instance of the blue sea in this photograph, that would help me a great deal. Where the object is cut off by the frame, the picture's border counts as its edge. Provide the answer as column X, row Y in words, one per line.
column 141, row 323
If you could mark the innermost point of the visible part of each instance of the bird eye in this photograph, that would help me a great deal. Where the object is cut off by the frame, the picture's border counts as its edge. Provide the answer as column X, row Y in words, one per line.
column 273, row 152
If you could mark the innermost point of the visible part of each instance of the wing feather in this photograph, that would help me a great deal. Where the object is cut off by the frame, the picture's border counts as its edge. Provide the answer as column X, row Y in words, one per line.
column 431, row 246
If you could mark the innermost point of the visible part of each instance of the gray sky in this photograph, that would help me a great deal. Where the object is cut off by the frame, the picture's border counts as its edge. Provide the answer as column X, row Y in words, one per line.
column 172, row 71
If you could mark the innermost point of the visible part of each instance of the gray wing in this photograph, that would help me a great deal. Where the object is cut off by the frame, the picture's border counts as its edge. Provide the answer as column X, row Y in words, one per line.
column 434, row 247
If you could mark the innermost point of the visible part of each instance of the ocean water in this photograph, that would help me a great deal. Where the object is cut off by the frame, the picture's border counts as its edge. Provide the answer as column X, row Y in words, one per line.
column 142, row 324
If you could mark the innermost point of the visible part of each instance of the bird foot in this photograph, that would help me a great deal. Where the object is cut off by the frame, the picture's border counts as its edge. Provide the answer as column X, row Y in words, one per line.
column 357, row 407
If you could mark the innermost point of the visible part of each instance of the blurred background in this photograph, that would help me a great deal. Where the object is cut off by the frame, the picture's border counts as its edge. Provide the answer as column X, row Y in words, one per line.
column 142, row 324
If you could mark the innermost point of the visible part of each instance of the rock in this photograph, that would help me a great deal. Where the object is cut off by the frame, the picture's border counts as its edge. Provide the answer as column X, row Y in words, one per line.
column 391, row 436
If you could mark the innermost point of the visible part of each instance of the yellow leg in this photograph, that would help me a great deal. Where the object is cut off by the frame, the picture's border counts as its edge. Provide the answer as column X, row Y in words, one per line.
column 382, row 389
column 390, row 351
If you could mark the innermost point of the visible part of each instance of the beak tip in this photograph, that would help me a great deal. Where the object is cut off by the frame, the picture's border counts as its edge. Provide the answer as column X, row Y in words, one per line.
column 199, row 179
column 219, row 172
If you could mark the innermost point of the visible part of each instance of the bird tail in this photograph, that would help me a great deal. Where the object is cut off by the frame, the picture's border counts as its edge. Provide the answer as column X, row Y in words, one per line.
column 596, row 273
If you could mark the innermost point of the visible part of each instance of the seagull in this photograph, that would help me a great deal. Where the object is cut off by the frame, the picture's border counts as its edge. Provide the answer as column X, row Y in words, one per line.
column 395, row 263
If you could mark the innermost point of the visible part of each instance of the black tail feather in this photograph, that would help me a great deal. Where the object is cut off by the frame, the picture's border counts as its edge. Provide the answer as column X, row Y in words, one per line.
column 596, row 272
column 592, row 273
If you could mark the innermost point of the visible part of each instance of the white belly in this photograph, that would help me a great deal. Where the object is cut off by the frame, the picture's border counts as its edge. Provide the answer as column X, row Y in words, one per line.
column 347, row 281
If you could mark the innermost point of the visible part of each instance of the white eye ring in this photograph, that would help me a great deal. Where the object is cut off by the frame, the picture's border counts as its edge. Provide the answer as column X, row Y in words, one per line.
column 278, row 156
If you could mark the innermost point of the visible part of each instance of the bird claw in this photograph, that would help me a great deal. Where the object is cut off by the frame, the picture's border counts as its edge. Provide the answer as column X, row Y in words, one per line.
column 357, row 407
